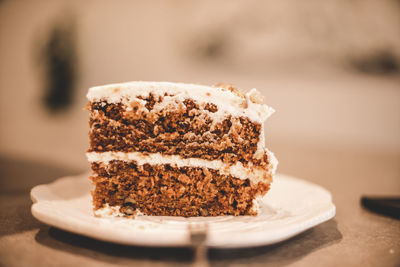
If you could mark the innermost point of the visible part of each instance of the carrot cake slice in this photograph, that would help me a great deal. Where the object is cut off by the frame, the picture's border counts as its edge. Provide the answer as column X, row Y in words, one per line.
column 175, row 149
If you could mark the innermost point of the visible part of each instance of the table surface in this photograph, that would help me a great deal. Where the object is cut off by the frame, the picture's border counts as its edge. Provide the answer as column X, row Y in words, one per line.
column 355, row 237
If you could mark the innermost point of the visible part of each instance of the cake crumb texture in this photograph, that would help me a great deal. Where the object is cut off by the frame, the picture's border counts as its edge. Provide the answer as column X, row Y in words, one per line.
column 168, row 191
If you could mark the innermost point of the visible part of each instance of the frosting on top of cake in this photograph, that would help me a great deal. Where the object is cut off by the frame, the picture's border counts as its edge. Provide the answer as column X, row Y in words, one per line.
column 228, row 101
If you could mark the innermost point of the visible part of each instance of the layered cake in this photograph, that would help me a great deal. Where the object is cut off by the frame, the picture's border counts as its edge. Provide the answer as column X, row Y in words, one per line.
column 174, row 149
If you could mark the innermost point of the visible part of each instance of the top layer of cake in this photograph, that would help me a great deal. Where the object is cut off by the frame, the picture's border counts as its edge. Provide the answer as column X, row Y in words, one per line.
column 229, row 101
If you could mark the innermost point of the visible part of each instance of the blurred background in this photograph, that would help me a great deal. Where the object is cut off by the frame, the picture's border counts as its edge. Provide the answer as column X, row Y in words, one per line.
column 331, row 69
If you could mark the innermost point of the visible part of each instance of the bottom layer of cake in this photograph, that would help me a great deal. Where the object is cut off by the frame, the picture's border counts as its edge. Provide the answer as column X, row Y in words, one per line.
column 127, row 188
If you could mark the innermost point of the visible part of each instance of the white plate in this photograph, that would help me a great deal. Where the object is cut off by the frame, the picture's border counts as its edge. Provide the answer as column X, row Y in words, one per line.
column 291, row 207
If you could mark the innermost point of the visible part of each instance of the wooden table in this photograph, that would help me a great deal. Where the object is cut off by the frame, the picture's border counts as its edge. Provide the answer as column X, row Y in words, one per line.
column 355, row 237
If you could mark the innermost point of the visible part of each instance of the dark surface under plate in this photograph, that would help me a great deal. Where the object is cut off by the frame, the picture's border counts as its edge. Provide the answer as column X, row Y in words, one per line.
column 354, row 237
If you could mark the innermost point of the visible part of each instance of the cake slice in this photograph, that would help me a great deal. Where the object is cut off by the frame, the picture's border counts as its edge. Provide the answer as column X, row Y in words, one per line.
column 174, row 149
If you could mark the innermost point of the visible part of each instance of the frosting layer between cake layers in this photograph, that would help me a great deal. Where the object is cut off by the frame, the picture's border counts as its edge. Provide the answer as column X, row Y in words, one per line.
column 237, row 170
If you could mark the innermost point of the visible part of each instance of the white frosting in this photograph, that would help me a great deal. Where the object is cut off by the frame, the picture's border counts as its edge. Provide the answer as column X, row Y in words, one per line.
column 273, row 161
column 108, row 211
column 260, row 145
column 251, row 172
column 228, row 103
column 256, row 207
